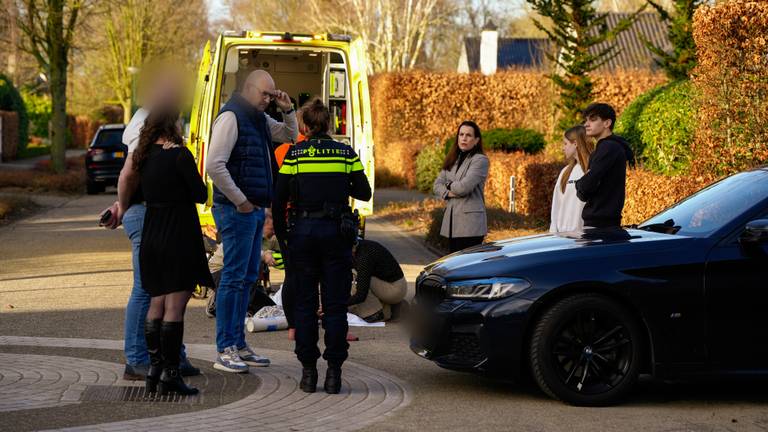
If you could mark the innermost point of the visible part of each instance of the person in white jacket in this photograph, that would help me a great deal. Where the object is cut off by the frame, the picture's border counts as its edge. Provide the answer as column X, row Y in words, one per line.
column 566, row 206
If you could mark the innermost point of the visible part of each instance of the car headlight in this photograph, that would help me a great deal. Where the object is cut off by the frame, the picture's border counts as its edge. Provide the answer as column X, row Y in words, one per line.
column 486, row 289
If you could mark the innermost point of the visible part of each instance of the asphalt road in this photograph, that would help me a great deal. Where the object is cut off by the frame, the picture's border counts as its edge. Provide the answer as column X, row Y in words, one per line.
column 62, row 276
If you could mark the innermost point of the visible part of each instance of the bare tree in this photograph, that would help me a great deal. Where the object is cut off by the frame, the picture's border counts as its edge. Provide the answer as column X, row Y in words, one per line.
column 394, row 31
column 48, row 27
column 128, row 34
column 271, row 15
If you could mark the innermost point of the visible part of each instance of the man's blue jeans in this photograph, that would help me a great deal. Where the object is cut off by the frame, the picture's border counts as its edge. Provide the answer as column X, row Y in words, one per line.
column 138, row 303
column 241, row 240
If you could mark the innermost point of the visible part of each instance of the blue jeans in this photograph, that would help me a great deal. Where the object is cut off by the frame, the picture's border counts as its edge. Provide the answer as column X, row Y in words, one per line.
column 241, row 240
column 138, row 303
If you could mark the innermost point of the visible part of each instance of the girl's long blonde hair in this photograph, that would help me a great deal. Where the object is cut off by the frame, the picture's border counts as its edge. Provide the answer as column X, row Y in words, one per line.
column 584, row 148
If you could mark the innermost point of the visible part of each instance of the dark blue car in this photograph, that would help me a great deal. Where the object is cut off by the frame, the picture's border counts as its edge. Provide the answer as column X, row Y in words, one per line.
column 584, row 313
column 105, row 158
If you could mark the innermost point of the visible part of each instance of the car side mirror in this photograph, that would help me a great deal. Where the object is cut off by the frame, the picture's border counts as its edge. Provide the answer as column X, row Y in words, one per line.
column 755, row 232
column 753, row 238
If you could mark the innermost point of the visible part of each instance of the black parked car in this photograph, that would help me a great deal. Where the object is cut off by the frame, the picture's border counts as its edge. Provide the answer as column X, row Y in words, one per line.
column 105, row 158
column 583, row 313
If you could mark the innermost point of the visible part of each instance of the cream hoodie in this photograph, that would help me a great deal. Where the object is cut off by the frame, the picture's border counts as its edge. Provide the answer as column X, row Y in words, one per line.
column 566, row 207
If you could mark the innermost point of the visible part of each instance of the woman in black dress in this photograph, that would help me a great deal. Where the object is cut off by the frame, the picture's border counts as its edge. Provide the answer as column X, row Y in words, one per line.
column 172, row 256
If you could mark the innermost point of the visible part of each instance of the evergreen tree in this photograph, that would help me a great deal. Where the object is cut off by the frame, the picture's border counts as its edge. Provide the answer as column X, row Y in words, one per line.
column 577, row 27
column 680, row 61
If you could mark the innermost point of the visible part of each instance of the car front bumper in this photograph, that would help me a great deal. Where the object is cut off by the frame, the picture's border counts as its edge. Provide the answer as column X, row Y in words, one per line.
column 476, row 336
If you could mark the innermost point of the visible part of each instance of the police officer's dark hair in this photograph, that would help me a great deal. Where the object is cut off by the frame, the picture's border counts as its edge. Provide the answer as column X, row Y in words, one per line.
column 603, row 111
column 316, row 117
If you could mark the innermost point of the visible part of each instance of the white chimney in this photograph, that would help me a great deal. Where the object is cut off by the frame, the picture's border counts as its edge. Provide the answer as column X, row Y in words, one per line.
column 489, row 48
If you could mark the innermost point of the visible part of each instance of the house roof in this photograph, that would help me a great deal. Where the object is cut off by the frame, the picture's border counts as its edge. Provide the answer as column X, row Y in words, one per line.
column 632, row 52
column 511, row 52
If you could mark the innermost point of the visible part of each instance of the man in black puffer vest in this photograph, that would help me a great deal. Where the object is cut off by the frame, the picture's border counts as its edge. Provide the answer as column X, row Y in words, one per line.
column 243, row 169
column 603, row 186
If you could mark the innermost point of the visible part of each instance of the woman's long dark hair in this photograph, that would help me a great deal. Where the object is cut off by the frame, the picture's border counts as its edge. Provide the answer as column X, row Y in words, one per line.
column 161, row 123
column 453, row 154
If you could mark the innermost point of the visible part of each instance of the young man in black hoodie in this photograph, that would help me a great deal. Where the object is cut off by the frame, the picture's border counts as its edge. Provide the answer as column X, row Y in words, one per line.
column 602, row 187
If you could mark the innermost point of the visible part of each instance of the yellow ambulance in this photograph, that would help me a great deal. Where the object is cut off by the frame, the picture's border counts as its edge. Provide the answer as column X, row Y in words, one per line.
column 329, row 66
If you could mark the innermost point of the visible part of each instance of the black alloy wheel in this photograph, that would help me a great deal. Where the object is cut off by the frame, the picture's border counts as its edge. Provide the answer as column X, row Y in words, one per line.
column 586, row 350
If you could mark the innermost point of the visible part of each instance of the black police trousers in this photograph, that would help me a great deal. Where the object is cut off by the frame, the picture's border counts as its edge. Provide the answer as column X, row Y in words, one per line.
column 321, row 263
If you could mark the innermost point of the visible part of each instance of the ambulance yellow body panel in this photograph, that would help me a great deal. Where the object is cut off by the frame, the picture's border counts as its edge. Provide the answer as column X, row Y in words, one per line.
column 332, row 67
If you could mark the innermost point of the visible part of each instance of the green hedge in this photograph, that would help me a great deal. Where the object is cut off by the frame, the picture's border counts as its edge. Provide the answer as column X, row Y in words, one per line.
column 39, row 110
column 10, row 100
column 659, row 125
column 509, row 140
column 429, row 162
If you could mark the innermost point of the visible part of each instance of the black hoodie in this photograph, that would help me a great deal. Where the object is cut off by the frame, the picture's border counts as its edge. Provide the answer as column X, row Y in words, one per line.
column 603, row 186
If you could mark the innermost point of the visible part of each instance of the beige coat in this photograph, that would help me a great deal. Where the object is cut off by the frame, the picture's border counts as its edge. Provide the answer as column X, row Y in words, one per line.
column 468, row 209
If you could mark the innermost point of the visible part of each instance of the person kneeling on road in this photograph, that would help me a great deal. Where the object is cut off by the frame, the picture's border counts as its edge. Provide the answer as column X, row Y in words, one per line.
column 381, row 287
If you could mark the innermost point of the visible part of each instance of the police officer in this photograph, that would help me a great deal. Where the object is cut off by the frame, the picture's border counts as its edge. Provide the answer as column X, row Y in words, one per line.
column 318, row 176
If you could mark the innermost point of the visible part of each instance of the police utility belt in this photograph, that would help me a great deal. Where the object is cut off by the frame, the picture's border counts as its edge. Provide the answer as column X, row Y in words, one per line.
column 349, row 221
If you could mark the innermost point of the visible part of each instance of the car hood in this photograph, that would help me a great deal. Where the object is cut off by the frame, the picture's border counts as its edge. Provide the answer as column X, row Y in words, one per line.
column 517, row 253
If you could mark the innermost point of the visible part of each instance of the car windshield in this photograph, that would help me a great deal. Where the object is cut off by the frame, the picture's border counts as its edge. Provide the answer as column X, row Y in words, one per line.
column 109, row 138
column 712, row 207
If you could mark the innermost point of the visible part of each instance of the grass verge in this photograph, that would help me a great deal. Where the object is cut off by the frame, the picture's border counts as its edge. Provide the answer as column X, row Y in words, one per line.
column 425, row 218
column 42, row 179
column 13, row 207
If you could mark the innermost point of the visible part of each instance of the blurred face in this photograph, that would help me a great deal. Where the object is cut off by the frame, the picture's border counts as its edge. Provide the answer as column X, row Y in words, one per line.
column 597, row 127
column 467, row 139
column 569, row 148
column 269, row 228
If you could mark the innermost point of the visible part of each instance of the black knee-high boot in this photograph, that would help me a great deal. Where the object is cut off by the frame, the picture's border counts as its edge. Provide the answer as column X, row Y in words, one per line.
column 153, row 334
column 170, row 379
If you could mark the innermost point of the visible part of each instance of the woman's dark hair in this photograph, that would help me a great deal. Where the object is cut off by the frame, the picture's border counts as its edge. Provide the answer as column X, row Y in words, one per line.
column 453, row 153
column 161, row 123
column 316, row 117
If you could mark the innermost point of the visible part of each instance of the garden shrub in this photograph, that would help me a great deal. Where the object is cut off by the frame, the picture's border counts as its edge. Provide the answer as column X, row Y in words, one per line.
column 10, row 100
column 429, row 162
column 660, row 126
column 508, row 140
column 731, row 79
column 39, row 111
column 626, row 124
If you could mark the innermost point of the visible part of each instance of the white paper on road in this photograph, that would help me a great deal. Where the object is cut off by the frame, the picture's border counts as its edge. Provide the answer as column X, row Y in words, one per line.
column 352, row 320
column 356, row 321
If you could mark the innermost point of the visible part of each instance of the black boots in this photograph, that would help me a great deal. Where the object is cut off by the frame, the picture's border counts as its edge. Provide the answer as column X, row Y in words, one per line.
column 308, row 382
column 170, row 379
column 333, row 380
column 153, row 335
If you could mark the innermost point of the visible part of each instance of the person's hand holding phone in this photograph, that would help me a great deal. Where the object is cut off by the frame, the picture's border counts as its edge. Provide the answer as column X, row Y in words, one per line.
column 110, row 218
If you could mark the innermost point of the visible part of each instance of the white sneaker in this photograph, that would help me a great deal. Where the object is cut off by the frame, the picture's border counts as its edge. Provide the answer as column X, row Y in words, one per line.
column 249, row 357
column 230, row 361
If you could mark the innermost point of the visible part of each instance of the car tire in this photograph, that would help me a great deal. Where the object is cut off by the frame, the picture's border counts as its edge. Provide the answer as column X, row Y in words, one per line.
column 586, row 350
column 93, row 188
